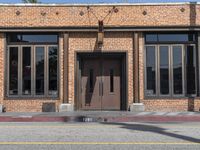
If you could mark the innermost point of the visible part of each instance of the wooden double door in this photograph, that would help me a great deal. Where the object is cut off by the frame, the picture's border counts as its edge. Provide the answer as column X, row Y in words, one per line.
column 101, row 83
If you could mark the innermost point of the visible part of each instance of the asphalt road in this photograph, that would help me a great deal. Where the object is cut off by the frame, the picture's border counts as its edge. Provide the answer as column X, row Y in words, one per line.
column 99, row 136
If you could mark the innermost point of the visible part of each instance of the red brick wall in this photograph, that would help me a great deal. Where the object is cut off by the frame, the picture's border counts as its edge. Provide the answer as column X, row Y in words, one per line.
column 2, row 63
column 64, row 16
column 113, row 42
column 130, row 15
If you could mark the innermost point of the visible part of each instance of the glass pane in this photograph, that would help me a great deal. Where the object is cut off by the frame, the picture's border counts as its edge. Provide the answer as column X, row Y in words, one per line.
column 176, row 37
column 111, row 80
column 26, row 70
column 157, row 37
column 150, row 70
column 177, row 70
column 91, row 80
column 53, row 90
column 164, row 70
column 190, row 66
column 39, row 60
column 13, row 71
column 33, row 38
column 39, row 38
column 14, row 38
column 151, row 37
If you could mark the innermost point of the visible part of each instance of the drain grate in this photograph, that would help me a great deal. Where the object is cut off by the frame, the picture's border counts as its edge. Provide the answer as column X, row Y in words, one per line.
column 89, row 119
column 85, row 119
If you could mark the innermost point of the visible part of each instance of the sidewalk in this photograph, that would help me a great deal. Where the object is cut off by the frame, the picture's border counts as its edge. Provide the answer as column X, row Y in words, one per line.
column 101, row 116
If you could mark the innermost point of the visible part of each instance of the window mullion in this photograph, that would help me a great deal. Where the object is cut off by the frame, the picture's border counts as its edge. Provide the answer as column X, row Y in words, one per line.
column 58, row 70
column 46, row 71
column 8, row 70
column 171, row 68
column 157, row 71
column 198, row 64
column 33, row 71
column 20, row 68
column 183, row 71
column 169, row 73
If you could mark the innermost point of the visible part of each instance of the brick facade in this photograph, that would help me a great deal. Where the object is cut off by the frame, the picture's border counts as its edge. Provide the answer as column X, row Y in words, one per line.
column 113, row 42
column 66, row 17
column 127, row 15
column 29, row 105
column 2, row 68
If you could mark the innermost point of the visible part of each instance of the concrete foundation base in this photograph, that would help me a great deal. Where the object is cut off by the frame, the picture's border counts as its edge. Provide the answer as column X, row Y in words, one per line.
column 137, row 107
column 1, row 108
column 66, row 107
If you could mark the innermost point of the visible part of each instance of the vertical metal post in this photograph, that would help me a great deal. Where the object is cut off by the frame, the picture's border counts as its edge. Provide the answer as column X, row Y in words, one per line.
column 136, row 67
column 197, row 62
column 65, row 67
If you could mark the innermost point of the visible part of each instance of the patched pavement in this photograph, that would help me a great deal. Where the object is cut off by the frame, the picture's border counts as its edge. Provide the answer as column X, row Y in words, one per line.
column 119, row 136
column 101, row 116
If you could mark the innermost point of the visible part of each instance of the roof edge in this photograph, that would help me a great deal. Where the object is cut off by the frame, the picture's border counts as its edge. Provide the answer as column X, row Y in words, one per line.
column 96, row 4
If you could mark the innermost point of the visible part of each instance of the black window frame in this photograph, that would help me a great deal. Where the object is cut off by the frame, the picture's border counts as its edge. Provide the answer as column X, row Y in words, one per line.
column 8, row 37
column 171, row 44
column 33, row 46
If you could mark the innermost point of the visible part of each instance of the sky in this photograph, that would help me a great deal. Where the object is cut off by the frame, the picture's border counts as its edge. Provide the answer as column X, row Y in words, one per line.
column 99, row 1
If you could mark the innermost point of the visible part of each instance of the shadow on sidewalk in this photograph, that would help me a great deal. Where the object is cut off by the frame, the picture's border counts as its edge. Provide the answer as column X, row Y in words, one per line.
column 154, row 129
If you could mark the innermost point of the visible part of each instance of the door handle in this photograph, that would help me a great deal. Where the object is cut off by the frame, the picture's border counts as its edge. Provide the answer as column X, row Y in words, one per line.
column 101, row 88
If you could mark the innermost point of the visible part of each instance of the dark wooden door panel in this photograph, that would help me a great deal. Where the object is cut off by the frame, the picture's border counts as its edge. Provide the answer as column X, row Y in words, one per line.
column 90, row 77
column 111, row 84
column 101, row 84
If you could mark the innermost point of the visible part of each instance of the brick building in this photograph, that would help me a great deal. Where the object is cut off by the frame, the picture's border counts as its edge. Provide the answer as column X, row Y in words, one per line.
column 99, row 57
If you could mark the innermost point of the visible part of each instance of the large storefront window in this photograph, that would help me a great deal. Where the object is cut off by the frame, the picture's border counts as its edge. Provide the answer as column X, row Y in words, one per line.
column 33, row 69
column 170, row 65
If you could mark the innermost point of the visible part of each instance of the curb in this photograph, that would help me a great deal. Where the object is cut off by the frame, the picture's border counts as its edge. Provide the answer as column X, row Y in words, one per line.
column 156, row 119
column 99, row 119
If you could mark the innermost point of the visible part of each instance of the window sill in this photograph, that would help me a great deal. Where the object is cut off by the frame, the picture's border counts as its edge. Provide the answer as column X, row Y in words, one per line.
column 30, row 98
column 169, row 98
